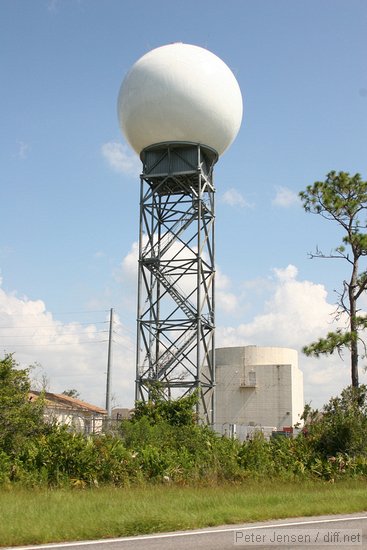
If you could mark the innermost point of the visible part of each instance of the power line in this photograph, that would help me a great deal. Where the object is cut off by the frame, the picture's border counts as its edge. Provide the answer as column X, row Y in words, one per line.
column 59, row 312
column 3, row 336
column 80, row 311
column 61, row 344
column 56, row 325
column 121, row 335
column 125, row 328
column 124, row 346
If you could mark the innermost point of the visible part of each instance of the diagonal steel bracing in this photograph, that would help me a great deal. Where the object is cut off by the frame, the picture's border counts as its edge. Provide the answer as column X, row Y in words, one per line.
column 175, row 344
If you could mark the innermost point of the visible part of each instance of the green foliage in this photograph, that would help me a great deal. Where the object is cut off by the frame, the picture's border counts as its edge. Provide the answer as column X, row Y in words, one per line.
column 342, row 199
column 168, row 444
column 43, row 516
column 176, row 412
column 162, row 443
column 67, row 458
column 334, row 341
column 279, row 458
column 20, row 419
column 181, row 454
column 5, row 468
column 341, row 428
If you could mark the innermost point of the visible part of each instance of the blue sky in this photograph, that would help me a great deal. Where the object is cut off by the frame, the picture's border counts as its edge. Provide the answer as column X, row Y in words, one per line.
column 69, row 184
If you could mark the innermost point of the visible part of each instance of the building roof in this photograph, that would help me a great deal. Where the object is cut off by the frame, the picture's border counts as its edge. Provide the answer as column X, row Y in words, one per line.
column 58, row 400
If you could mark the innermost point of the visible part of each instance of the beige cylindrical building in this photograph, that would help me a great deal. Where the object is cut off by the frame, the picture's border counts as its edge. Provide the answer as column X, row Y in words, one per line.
column 257, row 388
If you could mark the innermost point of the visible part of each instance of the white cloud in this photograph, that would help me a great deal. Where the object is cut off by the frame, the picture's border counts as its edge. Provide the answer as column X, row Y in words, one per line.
column 120, row 158
column 225, row 300
column 285, row 197
column 296, row 313
column 286, row 274
column 72, row 355
column 232, row 197
column 129, row 265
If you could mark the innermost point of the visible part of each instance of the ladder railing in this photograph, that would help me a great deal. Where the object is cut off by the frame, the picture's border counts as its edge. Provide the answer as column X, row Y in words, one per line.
column 173, row 290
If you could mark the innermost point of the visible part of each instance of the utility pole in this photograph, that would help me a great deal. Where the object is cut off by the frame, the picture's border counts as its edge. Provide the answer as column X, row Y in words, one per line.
column 109, row 362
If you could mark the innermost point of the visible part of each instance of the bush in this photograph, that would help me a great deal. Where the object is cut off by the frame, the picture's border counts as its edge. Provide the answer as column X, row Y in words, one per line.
column 342, row 425
column 20, row 419
column 162, row 443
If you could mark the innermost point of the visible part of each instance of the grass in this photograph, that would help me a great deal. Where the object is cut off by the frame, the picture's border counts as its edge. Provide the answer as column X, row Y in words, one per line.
column 41, row 516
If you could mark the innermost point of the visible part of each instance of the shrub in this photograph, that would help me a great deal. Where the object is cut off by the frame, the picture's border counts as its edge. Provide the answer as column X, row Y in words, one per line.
column 342, row 425
column 20, row 418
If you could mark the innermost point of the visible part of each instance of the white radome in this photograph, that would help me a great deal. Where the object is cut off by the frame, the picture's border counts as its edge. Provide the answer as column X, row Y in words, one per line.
column 180, row 92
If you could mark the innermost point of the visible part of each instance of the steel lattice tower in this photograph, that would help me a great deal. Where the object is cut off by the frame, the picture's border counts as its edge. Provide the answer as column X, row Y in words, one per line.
column 175, row 344
column 179, row 108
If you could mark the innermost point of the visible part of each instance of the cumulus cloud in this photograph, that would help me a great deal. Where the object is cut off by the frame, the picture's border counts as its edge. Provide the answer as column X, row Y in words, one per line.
column 71, row 354
column 120, row 158
column 225, row 299
column 232, row 197
column 129, row 265
column 285, row 197
column 285, row 274
column 296, row 313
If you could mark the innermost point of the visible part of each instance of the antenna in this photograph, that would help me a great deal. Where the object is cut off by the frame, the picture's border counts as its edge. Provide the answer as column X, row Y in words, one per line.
column 179, row 107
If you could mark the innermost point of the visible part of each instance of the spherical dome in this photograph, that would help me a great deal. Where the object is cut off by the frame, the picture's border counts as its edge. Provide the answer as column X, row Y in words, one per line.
column 180, row 92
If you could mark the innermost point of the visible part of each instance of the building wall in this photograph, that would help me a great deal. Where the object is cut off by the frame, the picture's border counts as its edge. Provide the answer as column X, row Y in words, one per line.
column 63, row 409
column 79, row 421
column 257, row 387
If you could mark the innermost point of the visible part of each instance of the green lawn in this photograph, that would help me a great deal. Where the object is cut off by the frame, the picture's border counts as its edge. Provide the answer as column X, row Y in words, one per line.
column 40, row 516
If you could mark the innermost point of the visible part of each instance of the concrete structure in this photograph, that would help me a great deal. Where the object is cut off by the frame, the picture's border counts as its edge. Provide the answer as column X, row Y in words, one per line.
column 257, row 388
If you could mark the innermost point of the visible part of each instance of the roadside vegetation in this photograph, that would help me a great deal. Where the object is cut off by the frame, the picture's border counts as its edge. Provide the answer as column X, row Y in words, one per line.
column 41, row 515
column 162, row 443
column 52, row 476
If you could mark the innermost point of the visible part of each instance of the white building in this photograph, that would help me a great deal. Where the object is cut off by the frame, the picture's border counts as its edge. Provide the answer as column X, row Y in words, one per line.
column 78, row 415
column 257, row 388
